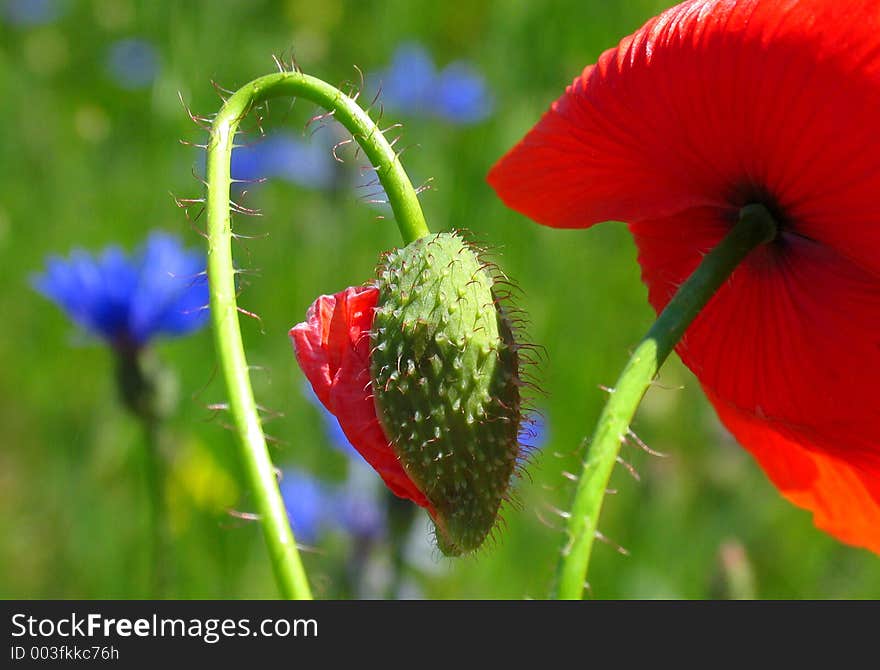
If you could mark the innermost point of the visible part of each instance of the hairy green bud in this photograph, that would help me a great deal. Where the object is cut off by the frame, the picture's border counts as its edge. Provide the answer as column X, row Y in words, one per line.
column 444, row 368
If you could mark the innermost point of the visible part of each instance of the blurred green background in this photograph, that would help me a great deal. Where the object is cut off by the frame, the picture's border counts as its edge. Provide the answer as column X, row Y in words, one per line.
column 88, row 158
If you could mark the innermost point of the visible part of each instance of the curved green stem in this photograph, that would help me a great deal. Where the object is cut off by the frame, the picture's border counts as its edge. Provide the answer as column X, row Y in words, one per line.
column 289, row 571
column 755, row 227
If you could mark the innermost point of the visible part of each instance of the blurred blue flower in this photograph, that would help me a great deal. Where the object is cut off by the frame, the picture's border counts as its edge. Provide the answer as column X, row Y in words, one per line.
column 358, row 506
column 287, row 157
column 461, row 94
column 308, row 502
column 315, row 507
column 533, row 435
column 332, row 429
column 160, row 290
column 533, row 431
column 412, row 84
column 408, row 83
column 133, row 63
column 31, row 12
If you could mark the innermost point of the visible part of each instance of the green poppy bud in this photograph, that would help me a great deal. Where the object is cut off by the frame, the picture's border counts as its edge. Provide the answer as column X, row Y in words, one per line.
column 445, row 375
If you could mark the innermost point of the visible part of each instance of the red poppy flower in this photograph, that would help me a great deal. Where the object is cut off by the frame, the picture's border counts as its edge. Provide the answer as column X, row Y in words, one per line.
column 333, row 349
column 711, row 106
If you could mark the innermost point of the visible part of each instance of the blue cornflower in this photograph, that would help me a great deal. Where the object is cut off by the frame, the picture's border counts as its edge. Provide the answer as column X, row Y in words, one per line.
column 133, row 63
column 31, row 12
column 533, row 433
column 408, row 83
column 126, row 301
column 461, row 94
column 309, row 504
column 358, row 507
column 315, row 507
column 413, row 85
column 287, row 157
column 332, row 429
column 356, row 504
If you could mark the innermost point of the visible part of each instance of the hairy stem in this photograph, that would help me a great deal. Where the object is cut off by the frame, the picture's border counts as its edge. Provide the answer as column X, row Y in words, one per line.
column 755, row 227
column 289, row 571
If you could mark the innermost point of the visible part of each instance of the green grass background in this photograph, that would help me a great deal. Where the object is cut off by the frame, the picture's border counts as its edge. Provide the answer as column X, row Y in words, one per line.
column 85, row 163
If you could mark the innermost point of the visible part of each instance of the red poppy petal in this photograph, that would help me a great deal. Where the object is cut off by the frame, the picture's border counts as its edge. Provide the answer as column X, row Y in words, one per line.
column 310, row 345
column 624, row 141
column 333, row 349
column 718, row 103
column 843, row 496
column 713, row 105
column 791, row 341
column 794, row 335
column 588, row 161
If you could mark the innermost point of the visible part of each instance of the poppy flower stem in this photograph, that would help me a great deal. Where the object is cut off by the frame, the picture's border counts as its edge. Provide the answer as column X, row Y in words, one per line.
column 289, row 571
column 754, row 228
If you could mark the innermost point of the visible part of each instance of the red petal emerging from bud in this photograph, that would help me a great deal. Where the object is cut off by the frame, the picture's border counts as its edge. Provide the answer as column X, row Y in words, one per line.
column 333, row 349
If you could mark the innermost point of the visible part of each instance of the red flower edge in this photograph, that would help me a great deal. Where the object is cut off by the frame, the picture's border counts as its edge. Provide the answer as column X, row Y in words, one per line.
column 332, row 347
column 709, row 107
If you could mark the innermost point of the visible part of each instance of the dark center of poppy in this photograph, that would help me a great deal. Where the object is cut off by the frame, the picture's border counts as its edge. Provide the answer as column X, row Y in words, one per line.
column 751, row 194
